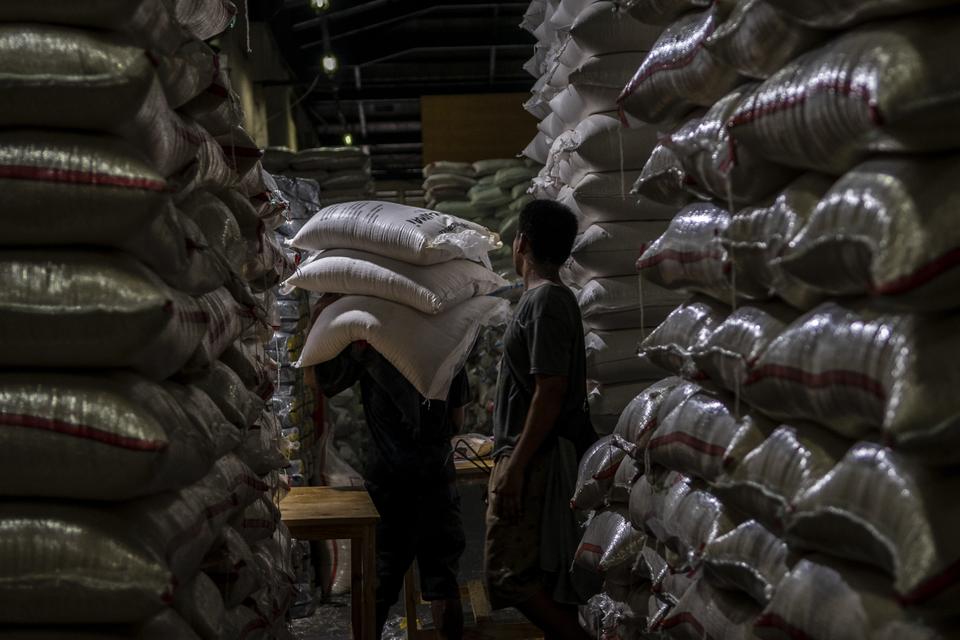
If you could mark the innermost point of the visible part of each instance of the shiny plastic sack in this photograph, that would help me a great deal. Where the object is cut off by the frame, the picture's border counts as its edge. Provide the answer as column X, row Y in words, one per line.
column 879, row 88
column 187, row 72
column 209, row 169
column 608, row 401
column 888, row 511
column 857, row 371
column 639, row 418
column 627, row 473
column 610, row 249
column 606, row 197
column 714, row 166
column 698, row 519
column 200, row 604
column 232, row 567
column 609, row 547
column 243, row 622
column 260, row 448
column 238, row 405
column 679, row 74
column 750, row 559
column 226, row 320
column 884, row 229
column 727, row 353
column 204, row 19
column 707, row 612
column 830, row 14
column 653, row 504
column 625, row 302
column 258, row 521
column 219, row 226
column 596, row 473
column 662, row 180
column 91, row 309
column 672, row 345
column 756, row 237
column 612, row 357
column 689, row 255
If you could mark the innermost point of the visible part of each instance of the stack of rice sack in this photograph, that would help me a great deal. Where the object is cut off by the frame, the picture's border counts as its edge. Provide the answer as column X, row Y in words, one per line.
column 139, row 456
column 796, row 467
column 586, row 53
column 343, row 173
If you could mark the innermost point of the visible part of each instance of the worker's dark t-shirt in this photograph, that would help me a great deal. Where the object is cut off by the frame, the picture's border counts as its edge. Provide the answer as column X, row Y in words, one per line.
column 545, row 338
column 411, row 435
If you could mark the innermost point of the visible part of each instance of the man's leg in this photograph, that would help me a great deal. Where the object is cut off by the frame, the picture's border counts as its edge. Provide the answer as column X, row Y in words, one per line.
column 557, row 621
column 396, row 548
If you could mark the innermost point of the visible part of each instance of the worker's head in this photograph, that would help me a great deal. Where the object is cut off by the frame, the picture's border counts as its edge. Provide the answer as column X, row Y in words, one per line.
column 545, row 234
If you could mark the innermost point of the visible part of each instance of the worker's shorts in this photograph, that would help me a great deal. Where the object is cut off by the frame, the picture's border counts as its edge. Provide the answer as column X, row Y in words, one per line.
column 418, row 522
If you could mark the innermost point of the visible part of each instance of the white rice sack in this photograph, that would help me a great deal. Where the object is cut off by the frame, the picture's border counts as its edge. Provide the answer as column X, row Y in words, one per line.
column 187, row 72
column 707, row 612
column 604, row 27
column 226, row 320
column 892, row 221
column 610, row 249
column 209, row 169
column 698, row 519
column 756, row 237
column 606, row 197
column 598, row 467
column 679, row 73
column 98, row 437
column 703, row 436
column 831, row 600
column 757, row 39
column 607, row 402
column 663, row 12
column 600, row 143
column 736, row 342
column 639, row 418
column 449, row 168
column 204, row 19
column 673, row 343
column 238, row 405
column 627, row 473
column 689, row 255
column 417, row 236
column 243, row 622
column 879, row 88
column 714, row 166
column 200, row 604
column 652, row 505
column 663, row 180
column 219, row 226
column 888, row 511
column 749, row 559
column 609, row 546
column 840, row 15
column 64, row 309
column 428, row 289
column 595, row 85
column 233, row 567
column 612, row 357
column 427, row 350
column 858, row 371
column 206, row 417
column 624, row 302
column 258, row 521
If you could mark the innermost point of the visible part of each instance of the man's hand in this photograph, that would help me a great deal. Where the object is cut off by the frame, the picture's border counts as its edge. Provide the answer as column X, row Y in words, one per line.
column 508, row 493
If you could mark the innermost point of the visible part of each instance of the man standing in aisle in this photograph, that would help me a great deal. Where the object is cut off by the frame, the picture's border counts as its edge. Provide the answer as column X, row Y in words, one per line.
column 411, row 480
column 541, row 428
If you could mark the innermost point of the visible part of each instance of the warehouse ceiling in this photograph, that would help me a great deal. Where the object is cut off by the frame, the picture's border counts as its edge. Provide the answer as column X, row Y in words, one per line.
column 391, row 52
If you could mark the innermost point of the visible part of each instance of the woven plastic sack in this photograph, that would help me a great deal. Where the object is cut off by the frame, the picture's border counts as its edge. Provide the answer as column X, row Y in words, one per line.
column 750, row 559
column 612, row 357
column 671, row 345
column 698, row 519
column 603, row 27
column 857, row 371
column 97, row 437
column 595, row 476
column 879, row 88
column 652, row 504
column 891, row 221
column 226, row 389
column 200, row 604
column 218, row 110
column 595, row 85
column 832, row 600
column 417, row 236
column 756, row 236
column 662, row 180
column 600, row 143
column 484, row 168
column 219, row 227
column 449, row 181
column 707, row 612
column 431, row 289
column 226, row 321
column 243, row 622
column 488, row 196
column 609, row 546
column 679, row 73
column 449, row 168
column 90, row 309
column 703, row 436
column 689, row 255
column 209, row 170
column 608, row 401
column 207, row 419
column 889, row 511
column 427, row 350
column 627, row 473
column 258, row 521
column 508, row 178
column 726, row 355
column 204, row 19
column 840, row 15
column 260, row 449
column 714, row 166
column 605, row 197
column 757, row 39
column 609, row 304
column 639, row 418
column 610, row 249
column 663, row 12
column 232, row 567
column 351, row 180
column 187, row 72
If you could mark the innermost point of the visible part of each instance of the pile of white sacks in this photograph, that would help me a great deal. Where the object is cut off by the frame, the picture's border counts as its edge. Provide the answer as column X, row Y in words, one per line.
column 139, row 456
column 343, row 173
column 791, row 479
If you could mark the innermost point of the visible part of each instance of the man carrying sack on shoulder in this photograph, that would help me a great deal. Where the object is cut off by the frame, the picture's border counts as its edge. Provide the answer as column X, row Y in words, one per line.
column 541, row 429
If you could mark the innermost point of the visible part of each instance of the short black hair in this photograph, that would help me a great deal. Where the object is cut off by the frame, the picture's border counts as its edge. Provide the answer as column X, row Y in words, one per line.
column 550, row 228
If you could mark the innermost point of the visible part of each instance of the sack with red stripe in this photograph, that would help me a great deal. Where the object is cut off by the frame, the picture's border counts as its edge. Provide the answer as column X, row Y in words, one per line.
column 272, row 207
column 697, row 520
column 750, row 559
column 756, row 236
column 241, row 151
column 90, row 81
column 678, row 74
column 612, row 357
column 200, row 604
column 727, row 353
column 233, row 567
column 609, row 547
column 653, row 504
column 204, row 19
column 662, row 180
column 68, row 309
column 885, row 229
column 626, row 476
column 889, row 511
column 260, row 449
column 610, row 249
column 690, row 255
column 879, row 88
column 765, row 483
column 672, row 345
column 639, row 418
column 831, row 600
column 703, row 436
column 595, row 476
column 714, row 167
column 99, row 437
column 209, row 168
column 206, row 417
column 256, row 369
column 707, row 612
column 258, row 521
column 858, row 371
column 607, row 402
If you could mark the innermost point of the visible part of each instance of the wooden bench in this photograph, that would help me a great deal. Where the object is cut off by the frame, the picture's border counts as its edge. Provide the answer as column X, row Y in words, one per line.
column 329, row 513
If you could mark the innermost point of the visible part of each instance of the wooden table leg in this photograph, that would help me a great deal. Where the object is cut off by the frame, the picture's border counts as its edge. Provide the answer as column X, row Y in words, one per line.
column 369, row 583
column 357, row 604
